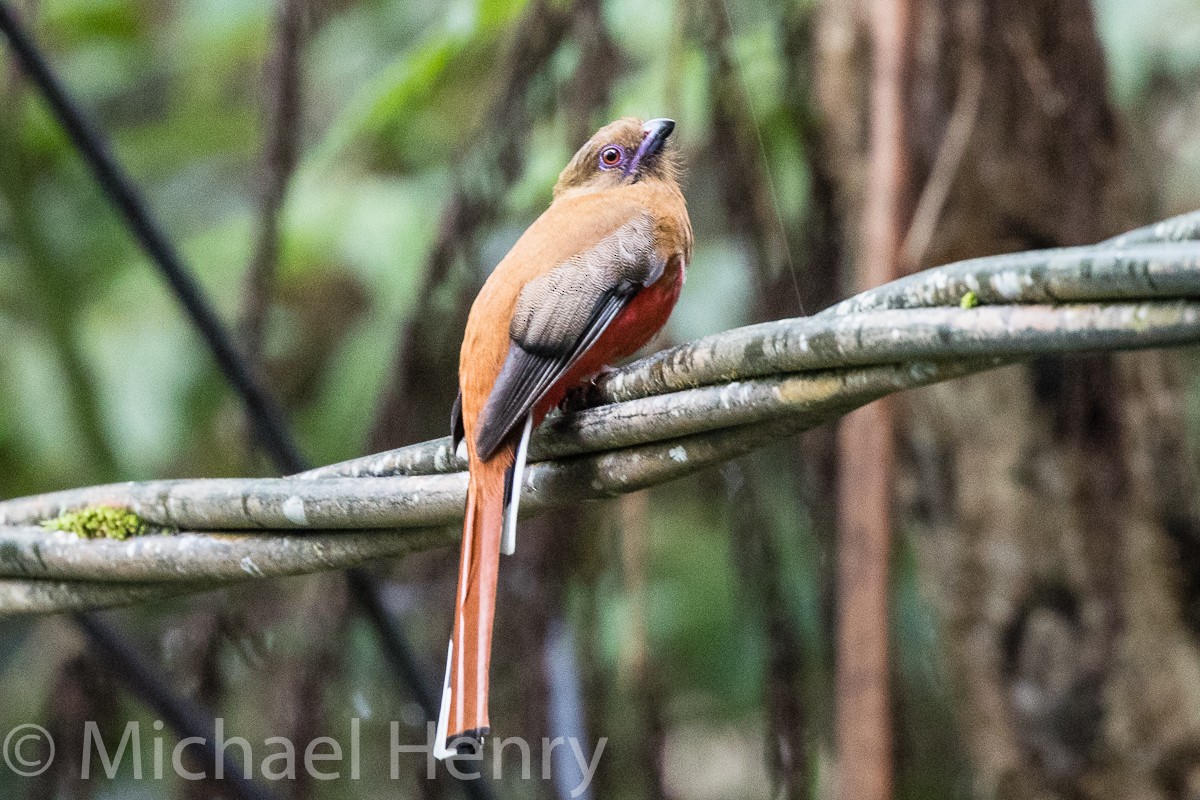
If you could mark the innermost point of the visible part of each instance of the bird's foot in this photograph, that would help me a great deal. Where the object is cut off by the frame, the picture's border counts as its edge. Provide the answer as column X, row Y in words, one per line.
column 586, row 394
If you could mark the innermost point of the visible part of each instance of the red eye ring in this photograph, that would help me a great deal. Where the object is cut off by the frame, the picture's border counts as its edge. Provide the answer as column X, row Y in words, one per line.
column 611, row 156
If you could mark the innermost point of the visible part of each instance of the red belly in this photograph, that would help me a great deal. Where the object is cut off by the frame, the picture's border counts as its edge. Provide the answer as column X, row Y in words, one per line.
column 628, row 333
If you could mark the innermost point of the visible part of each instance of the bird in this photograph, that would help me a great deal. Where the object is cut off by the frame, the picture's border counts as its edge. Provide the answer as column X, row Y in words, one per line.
column 589, row 283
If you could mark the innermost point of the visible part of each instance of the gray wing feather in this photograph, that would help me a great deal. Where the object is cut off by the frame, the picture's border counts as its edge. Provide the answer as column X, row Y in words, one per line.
column 559, row 316
column 555, row 309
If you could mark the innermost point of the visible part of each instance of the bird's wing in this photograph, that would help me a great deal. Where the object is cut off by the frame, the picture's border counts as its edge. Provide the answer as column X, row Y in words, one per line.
column 559, row 315
column 457, row 431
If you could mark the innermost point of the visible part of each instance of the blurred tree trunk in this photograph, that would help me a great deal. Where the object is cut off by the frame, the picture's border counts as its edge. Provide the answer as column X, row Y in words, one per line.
column 865, row 437
column 1050, row 503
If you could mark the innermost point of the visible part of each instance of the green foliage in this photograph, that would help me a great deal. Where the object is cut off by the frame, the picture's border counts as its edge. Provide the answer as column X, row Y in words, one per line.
column 100, row 522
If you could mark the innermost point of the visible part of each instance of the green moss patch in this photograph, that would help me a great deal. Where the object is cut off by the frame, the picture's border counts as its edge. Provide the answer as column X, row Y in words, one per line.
column 101, row 522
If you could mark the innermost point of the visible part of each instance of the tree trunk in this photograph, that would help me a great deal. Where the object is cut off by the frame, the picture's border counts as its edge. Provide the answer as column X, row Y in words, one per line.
column 1050, row 504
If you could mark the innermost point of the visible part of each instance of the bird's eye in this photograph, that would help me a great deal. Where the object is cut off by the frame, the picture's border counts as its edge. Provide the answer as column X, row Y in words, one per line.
column 611, row 156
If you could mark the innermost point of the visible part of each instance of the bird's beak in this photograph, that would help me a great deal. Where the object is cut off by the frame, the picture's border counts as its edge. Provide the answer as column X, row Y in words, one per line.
column 655, row 133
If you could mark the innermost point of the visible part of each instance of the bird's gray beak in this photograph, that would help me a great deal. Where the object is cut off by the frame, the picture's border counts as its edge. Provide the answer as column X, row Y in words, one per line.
column 655, row 136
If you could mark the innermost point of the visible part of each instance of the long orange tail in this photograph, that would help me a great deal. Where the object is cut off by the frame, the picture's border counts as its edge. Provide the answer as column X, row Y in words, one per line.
column 465, row 692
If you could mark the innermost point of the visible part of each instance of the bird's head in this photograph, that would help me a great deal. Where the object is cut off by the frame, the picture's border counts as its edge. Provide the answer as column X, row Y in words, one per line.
column 625, row 151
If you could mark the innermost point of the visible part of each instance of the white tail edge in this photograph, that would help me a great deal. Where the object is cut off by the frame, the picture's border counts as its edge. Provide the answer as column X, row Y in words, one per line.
column 440, row 751
column 508, row 536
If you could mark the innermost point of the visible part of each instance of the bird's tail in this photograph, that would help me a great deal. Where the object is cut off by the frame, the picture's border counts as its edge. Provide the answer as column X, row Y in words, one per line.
column 465, row 691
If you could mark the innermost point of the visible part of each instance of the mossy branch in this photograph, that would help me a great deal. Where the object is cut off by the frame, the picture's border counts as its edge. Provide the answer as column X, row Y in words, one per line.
column 678, row 411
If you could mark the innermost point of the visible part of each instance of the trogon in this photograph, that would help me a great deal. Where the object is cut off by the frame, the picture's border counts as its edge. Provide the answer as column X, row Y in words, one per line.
column 589, row 282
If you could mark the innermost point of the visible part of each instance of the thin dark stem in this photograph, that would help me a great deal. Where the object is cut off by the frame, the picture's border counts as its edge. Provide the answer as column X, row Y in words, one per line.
column 280, row 153
column 366, row 594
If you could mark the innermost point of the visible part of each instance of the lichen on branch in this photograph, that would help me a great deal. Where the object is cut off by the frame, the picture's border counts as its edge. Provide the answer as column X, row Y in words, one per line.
column 100, row 522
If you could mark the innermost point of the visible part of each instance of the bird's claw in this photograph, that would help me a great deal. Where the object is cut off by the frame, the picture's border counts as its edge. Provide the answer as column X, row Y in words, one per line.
column 584, row 395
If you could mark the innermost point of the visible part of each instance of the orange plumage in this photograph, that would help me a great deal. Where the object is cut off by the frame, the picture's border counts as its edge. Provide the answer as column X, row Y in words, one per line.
column 590, row 282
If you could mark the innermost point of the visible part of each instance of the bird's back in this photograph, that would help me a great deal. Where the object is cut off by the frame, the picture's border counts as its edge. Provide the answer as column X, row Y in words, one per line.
column 572, row 224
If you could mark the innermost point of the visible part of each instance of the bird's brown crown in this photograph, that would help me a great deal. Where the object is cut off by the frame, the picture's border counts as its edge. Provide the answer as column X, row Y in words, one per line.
column 624, row 151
